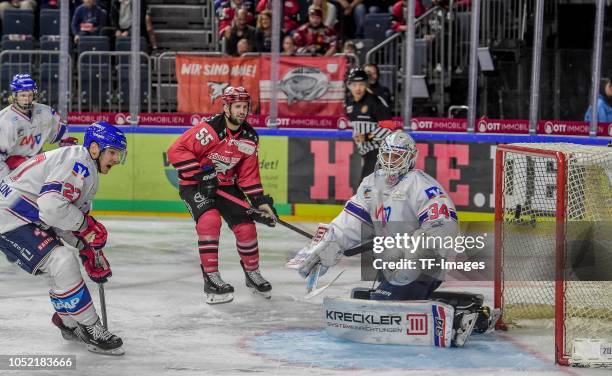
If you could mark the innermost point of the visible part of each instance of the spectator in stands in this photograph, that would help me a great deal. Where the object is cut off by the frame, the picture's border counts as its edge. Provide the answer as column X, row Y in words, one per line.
column 289, row 47
column 240, row 30
column 121, row 20
column 263, row 35
column 88, row 19
column 243, row 47
column 398, row 11
column 330, row 18
column 349, row 7
column 349, row 48
column 374, row 86
column 16, row 4
column 291, row 11
column 229, row 11
column 314, row 37
column 604, row 103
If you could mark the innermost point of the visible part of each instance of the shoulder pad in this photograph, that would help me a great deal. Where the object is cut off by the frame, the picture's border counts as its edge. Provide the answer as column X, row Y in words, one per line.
column 249, row 133
column 217, row 123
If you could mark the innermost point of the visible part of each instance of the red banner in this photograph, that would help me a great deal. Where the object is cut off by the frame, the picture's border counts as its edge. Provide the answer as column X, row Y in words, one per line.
column 487, row 126
column 437, row 125
column 202, row 79
column 502, row 126
column 312, row 86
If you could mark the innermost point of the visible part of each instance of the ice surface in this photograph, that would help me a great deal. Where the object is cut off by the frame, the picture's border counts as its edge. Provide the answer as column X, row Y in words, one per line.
column 156, row 304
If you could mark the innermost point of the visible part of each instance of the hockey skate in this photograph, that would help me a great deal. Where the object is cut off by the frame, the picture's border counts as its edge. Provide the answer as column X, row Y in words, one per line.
column 256, row 282
column 463, row 332
column 99, row 340
column 68, row 333
column 216, row 289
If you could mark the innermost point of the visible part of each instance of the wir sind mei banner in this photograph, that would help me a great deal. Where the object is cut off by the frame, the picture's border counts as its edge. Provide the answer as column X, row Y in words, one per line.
column 309, row 86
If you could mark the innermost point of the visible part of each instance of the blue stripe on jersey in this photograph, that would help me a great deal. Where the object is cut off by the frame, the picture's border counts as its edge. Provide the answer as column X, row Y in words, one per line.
column 51, row 187
column 60, row 133
column 423, row 216
column 453, row 215
column 434, row 310
column 358, row 211
column 26, row 209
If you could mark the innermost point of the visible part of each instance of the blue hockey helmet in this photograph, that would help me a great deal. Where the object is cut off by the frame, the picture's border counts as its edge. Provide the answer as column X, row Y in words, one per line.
column 23, row 82
column 106, row 136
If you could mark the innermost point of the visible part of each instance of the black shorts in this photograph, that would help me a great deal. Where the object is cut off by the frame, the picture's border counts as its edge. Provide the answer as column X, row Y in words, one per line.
column 231, row 212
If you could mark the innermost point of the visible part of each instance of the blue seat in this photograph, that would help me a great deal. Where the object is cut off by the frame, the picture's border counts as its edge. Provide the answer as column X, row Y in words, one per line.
column 16, row 43
column 94, row 43
column 18, row 21
column 95, row 91
column 49, row 23
column 376, row 25
column 48, row 87
column 125, row 44
column 49, row 43
column 123, row 85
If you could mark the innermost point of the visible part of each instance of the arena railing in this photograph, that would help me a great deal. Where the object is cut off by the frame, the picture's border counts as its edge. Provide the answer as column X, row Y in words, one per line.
column 103, row 81
column 43, row 65
column 430, row 56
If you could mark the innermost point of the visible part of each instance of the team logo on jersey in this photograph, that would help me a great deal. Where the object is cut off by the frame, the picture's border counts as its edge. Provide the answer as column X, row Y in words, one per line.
column 80, row 169
column 223, row 163
column 304, row 84
column 434, row 191
column 367, row 192
column 383, row 213
column 31, row 140
column 216, row 89
column 364, row 109
column 349, row 109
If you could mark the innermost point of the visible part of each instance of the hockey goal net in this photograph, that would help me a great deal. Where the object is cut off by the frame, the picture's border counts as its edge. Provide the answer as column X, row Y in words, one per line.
column 553, row 207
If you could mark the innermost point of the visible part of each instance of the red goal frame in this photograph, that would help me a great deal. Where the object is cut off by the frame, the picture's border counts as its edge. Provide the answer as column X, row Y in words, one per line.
column 561, row 355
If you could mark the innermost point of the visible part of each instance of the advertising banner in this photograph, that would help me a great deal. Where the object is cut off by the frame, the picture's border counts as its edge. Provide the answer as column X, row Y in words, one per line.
column 312, row 86
column 202, row 79
column 327, row 171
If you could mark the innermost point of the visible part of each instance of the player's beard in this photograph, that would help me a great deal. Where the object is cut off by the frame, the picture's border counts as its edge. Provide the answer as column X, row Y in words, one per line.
column 234, row 120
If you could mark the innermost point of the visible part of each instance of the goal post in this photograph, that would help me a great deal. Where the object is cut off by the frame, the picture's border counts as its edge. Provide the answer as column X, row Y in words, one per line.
column 553, row 254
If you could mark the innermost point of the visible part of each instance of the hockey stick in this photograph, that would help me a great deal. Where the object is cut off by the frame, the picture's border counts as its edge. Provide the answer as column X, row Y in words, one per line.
column 101, row 293
column 247, row 206
column 363, row 247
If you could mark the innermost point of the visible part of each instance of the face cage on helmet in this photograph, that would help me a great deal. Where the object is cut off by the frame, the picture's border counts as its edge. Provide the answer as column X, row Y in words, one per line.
column 398, row 166
column 14, row 101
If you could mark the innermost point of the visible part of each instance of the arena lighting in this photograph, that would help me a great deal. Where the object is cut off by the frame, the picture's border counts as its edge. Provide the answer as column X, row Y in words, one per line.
column 485, row 59
column 419, row 87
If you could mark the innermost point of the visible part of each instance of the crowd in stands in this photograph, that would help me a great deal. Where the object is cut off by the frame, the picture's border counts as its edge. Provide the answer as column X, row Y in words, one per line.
column 309, row 27
column 112, row 18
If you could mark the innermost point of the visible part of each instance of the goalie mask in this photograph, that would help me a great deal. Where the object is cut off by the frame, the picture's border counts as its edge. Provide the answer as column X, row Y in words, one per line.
column 396, row 156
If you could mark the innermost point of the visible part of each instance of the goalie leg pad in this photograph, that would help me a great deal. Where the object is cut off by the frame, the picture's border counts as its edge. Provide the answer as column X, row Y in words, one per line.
column 420, row 289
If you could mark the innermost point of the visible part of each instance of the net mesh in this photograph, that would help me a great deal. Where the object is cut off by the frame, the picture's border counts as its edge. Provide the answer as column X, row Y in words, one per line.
column 529, row 239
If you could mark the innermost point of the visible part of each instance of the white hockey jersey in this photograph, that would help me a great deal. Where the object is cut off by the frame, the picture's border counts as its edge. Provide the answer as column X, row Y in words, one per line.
column 54, row 188
column 416, row 205
column 20, row 135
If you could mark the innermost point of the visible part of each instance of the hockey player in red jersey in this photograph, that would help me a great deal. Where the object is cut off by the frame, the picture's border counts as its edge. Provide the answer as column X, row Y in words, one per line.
column 221, row 153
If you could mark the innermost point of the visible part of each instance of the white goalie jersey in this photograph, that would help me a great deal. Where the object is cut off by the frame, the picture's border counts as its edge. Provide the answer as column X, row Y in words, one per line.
column 417, row 206
column 55, row 189
column 22, row 136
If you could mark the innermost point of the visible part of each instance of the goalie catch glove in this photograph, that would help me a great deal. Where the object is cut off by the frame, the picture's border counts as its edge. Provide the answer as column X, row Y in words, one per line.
column 322, row 249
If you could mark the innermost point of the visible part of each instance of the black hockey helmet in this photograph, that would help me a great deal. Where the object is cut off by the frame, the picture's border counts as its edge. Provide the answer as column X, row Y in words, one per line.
column 357, row 75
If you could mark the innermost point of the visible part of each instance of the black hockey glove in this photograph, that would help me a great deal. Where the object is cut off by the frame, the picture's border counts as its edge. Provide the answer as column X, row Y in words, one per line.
column 261, row 216
column 207, row 181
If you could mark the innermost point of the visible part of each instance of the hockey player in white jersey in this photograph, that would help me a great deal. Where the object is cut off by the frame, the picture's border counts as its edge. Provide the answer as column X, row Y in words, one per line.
column 45, row 203
column 25, row 125
column 395, row 198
